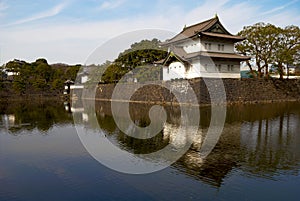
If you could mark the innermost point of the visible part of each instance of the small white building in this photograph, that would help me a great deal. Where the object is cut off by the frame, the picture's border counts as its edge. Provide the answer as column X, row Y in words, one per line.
column 205, row 49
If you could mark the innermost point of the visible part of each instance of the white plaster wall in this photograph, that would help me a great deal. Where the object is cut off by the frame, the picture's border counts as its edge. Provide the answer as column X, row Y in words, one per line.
column 198, row 70
column 194, row 70
column 221, row 75
column 212, row 70
column 173, row 71
column 12, row 73
column 210, row 66
column 191, row 46
column 228, row 47
column 84, row 79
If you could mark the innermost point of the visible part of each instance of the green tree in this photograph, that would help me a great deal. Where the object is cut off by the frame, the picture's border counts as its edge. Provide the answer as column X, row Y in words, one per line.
column 40, row 84
column 19, row 85
column 39, row 76
column 2, row 77
column 19, row 79
column 57, row 84
column 268, row 44
column 14, row 66
column 44, row 71
column 71, row 72
column 141, row 54
column 147, row 73
column 96, row 73
column 260, row 43
column 153, row 44
column 287, row 47
column 114, row 73
column 58, row 74
column 2, row 73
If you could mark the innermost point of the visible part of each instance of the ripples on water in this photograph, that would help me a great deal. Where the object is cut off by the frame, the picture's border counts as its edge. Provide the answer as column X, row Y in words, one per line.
column 42, row 158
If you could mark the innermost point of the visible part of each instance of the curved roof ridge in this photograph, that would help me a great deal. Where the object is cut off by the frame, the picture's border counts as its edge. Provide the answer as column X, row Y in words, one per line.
column 192, row 30
column 206, row 26
column 201, row 23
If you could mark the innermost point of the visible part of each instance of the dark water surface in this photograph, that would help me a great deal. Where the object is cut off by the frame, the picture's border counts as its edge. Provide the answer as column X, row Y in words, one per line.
column 42, row 158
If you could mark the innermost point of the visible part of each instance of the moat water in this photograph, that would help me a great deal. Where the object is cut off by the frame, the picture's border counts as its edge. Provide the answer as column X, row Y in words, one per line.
column 257, row 157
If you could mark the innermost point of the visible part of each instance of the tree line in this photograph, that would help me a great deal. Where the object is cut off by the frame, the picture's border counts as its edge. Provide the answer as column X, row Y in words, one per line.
column 36, row 77
column 268, row 45
column 138, row 59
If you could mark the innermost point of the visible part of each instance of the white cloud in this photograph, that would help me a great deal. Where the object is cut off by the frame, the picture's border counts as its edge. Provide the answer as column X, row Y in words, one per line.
column 3, row 8
column 233, row 17
column 68, row 42
column 106, row 5
column 48, row 13
column 283, row 19
column 279, row 8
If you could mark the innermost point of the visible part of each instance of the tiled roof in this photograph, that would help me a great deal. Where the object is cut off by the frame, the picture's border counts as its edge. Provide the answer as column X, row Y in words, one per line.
column 180, row 52
column 217, row 55
column 202, row 28
column 239, row 38
column 191, row 31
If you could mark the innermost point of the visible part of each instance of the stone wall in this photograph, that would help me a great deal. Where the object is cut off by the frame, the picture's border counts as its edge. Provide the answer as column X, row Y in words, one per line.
column 237, row 91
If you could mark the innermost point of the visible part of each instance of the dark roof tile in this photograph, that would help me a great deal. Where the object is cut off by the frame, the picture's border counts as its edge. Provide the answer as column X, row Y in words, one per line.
column 202, row 28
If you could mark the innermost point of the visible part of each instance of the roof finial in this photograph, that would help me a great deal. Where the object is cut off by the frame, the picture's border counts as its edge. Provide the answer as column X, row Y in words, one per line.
column 184, row 27
column 216, row 15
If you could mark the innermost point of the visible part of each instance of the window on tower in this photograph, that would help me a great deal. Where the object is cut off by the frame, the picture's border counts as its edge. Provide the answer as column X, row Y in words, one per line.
column 217, row 67
column 208, row 46
column 221, row 47
column 205, row 67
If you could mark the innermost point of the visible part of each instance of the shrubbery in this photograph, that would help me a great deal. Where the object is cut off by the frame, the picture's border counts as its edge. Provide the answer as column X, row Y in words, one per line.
column 38, row 77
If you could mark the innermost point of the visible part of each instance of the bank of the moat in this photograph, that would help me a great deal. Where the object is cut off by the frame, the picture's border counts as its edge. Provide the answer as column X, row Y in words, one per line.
column 236, row 90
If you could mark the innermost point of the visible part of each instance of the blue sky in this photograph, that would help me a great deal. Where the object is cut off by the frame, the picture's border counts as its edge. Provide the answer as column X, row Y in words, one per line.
column 69, row 30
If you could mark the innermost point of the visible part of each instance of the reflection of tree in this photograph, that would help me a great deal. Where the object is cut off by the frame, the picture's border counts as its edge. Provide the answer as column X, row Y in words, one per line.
column 138, row 146
column 36, row 114
column 271, row 144
column 259, row 139
column 107, row 123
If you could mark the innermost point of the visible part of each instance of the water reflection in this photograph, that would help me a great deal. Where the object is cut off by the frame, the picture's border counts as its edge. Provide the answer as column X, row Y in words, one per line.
column 271, row 144
column 261, row 139
column 258, row 140
column 224, row 158
column 16, row 116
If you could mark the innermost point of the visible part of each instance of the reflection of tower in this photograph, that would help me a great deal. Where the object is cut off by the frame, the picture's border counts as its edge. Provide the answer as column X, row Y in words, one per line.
column 8, row 120
column 67, row 106
column 78, row 110
column 85, row 117
column 74, row 109
column 219, row 162
column 179, row 139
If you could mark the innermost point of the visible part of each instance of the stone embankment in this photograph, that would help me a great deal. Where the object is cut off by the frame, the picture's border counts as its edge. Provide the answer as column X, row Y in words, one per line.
column 207, row 91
